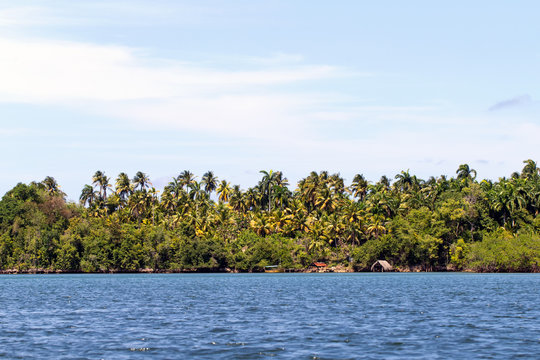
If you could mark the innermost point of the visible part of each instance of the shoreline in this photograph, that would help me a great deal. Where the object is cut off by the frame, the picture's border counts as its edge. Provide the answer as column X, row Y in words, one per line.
column 233, row 271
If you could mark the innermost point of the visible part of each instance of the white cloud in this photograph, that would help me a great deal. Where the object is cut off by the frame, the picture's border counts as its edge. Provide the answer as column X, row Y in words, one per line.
column 26, row 16
column 126, row 83
column 13, row 131
column 38, row 13
column 60, row 72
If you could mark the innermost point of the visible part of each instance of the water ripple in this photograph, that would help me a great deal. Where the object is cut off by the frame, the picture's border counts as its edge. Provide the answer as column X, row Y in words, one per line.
column 257, row 316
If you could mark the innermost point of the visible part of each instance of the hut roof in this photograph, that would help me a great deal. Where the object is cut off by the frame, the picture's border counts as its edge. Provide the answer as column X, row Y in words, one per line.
column 385, row 265
column 319, row 264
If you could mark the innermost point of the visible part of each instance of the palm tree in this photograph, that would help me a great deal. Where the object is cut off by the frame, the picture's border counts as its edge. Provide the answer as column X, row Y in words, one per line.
column 376, row 226
column 224, row 191
column 252, row 197
column 139, row 204
column 281, row 220
column 99, row 179
column 281, row 195
column 404, row 181
column 87, row 195
column 336, row 183
column 320, row 238
column 168, row 200
column 502, row 200
column 141, row 180
column 196, row 192
column 266, row 185
column 123, row 186
column 175, row 187
column 353, row 218
column 464, row 173
column 530, row 171
column 186, row 178
column 325, row 200
column 210, row 181
column 153, row 194
column 334, row 228
column 359, row 187
column 238, row 200
column 281, row 180
column 262, row 223
column 384, row 183
column 51, row 186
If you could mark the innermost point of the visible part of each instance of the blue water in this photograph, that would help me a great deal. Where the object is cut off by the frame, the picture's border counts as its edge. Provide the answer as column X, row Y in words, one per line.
column 253, row 316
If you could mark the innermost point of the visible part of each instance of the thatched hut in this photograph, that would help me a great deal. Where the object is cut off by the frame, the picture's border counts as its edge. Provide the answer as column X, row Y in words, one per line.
column 382, row 266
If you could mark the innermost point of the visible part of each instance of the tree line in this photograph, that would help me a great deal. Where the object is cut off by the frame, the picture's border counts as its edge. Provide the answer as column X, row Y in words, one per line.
column 208, row 224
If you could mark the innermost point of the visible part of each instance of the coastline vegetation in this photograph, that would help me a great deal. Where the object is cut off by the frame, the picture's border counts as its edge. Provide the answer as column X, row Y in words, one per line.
column 125, row 224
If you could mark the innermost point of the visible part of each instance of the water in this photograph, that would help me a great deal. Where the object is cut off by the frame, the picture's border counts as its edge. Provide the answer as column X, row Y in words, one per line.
column 254, row 316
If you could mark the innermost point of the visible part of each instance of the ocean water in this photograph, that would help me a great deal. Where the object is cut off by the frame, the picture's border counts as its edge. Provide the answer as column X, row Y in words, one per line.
column 282, row 316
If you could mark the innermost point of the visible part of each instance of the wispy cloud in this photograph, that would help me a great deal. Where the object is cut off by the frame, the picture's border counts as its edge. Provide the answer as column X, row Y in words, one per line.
column 25, row 16
column 53, row 71
column 129, row 84
column 13, row 131
column 140, row 13
column 513, row 102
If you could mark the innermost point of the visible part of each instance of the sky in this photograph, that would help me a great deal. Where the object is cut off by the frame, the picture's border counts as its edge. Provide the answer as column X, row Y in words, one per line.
column 239, row 86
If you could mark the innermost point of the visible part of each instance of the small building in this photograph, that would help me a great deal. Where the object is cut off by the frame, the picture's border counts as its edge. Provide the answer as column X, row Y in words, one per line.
column 381, row 266
column 317, row 267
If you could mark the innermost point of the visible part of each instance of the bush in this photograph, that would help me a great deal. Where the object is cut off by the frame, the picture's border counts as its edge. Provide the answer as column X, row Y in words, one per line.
column 502, row 252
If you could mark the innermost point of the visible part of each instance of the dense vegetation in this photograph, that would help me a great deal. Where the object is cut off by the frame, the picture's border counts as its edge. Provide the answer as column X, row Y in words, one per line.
column 209, row 225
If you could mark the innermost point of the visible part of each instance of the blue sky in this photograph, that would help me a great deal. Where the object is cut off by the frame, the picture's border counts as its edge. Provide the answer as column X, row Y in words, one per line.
column 241, row 86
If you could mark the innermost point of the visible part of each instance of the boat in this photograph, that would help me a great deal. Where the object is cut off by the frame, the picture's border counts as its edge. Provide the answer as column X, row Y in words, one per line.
column 273, row 269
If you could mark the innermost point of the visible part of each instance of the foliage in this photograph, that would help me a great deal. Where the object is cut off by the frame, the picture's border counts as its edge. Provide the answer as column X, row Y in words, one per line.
column 212, row 225
column 504, row 252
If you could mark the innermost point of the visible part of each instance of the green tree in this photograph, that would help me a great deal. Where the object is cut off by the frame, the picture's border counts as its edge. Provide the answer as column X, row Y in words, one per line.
column 210, row 182
column 123, row 186
column 141, row 181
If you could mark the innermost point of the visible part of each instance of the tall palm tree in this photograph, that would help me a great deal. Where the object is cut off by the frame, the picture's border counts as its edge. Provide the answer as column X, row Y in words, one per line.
column 531, row 170
column 123, row 186
column 502, row 200
column 353, row 218
column 210, row 182
column 102, row 182
column 238, row 200
column 281, row 195
column 153, row 199
column 465, row 173
column 141, row 181
column 252, row 197
column 186, row 178
column 376, row 226
column 310, row 188
column 87, row 195
column 280, row 179
column 175, row 187
column 325, row 200
column 266, row 184
column 261, row 224
column 404, row 181
column 384, row 182
column 336, row 183
column 139, row 203
column 196, row 192
column 359, row 187
column 224, row 191
column 168, row 200
column 51, row 186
